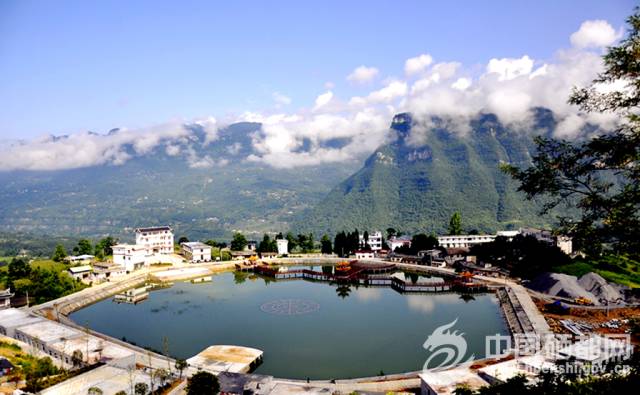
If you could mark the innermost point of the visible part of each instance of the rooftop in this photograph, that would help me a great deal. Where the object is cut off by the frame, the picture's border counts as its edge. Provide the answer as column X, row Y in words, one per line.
column 233, row 359
column 195, row 244
column 11, row 318
column 99, row 350
column 108, row 378
column 445, row 382
column 153, row 229
column 79, row 257
column 49, row 331
column 80, row 269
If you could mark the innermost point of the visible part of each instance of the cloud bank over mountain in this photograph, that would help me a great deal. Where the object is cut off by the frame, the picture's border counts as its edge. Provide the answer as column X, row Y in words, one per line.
column 336, row 129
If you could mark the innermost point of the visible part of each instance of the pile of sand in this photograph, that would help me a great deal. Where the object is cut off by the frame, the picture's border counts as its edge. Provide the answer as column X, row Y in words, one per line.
column 562, row 285
column 600, row 288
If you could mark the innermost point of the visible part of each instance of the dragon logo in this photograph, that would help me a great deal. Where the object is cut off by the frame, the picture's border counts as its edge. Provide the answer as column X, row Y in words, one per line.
column 452, row 344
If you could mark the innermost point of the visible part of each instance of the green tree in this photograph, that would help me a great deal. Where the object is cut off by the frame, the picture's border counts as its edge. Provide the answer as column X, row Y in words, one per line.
column 183, row 239
column 293, row 243
column 181, row 365
column 239, row 242
column 325, row 243
column 18, row 268
column 104, row 246
column 59, row 253
column 84, row 247
column 455, row 224
column 599, row 176
column 141, row 389
column 203, row 383
column 267, row 244
column 391, row 232
column 211, row 243
column 94, row 391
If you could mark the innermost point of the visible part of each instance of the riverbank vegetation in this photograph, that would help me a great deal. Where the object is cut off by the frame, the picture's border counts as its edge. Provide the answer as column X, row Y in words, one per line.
column 42, row 280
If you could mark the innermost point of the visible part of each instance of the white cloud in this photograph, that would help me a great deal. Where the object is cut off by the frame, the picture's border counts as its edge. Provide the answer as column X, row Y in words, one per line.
column 461, row 84
column 362, row 74
column 88, row 149
column 209, row 126
column 510, row 68
column 323, row 99
column 417, row 64
column 595, row 33
column 280, row 99
column 508, row 87
column 393, row 90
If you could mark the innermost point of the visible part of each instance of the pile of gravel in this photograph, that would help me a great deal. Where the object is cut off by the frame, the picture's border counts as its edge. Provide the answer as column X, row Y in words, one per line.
column 600, row 288
column 562, row 285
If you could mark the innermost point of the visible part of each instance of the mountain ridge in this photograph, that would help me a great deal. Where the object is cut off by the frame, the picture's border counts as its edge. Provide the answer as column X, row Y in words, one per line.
column 417, row 187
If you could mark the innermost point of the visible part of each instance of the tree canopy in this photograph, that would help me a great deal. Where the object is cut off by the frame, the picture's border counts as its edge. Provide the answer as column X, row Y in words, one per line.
column 598, row 175
column 239, row 242
column 203, row 383
column 455, row 224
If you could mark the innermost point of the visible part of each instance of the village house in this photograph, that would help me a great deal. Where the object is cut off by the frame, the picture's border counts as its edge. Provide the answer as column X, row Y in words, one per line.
column 82, row 273
column 157, row 240
column 251, row 245
column 195, row 251
column 464, row 241
column 283, row 247
column 42, row 335
column 362, row 254
column 397, row 242
column 130, row 256
column 374, row 241
column 10, row 319
column 106, row 271
column 5, row 298
column 83, row 259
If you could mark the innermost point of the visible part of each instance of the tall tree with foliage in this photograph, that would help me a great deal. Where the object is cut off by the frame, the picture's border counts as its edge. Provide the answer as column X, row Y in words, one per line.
column 84, row 247
column 293, row 242
column 239, row 242
column 455, row 224
column 325, row 245
column 203, row 383
column 599, row 175
column 59, row 253
column 267, row 244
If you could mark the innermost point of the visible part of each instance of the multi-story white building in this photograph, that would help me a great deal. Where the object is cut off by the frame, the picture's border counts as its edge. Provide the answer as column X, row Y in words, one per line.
column 464, row 241
column 157, row 239
column 400, row 241
column 130, row 256
column 195, row 251
column 283, row 246
column 374, row 241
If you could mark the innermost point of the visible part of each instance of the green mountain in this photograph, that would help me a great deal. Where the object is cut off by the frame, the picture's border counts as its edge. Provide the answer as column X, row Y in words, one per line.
column 158, row 188
column 417, row 187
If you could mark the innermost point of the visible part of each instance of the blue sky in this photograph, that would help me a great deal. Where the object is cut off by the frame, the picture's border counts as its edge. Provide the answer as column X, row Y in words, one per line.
column 71, row 66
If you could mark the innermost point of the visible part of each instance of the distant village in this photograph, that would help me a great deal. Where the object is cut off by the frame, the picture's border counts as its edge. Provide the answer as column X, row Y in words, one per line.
column 156, row 246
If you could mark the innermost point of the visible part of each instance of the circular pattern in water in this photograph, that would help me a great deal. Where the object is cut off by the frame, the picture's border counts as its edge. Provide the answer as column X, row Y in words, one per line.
column 290, row 307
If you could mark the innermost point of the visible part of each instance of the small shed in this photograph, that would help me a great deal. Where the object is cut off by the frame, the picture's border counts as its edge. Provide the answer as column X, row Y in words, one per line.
column 80, row 272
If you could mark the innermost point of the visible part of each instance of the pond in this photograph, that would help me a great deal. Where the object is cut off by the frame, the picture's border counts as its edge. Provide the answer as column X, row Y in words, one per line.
column 306, row 329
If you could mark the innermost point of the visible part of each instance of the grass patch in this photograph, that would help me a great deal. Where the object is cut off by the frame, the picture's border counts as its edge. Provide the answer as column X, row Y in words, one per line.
column 49, row 264
column 575, row 268
column 616, row 269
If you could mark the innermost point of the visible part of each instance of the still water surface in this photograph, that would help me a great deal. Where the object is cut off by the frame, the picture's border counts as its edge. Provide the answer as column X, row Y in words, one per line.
column 306, row 329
